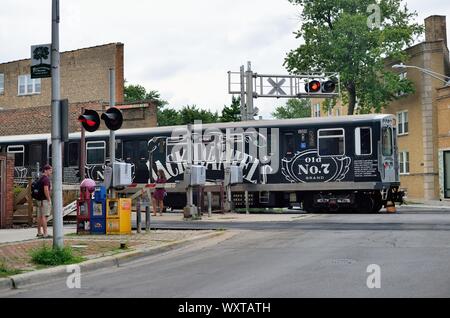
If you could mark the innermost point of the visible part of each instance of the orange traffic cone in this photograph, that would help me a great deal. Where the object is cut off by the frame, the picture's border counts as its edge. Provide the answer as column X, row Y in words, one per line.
column 390, row 207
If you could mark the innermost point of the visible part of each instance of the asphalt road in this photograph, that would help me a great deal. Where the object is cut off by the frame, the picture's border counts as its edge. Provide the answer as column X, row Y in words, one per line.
column 325, row 255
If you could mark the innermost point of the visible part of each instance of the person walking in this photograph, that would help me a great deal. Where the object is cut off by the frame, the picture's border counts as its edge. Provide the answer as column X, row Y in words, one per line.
column 44, row 206
column 159, row 193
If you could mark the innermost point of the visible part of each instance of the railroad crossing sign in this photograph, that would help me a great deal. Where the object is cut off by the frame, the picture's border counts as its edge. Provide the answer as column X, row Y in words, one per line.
column 252, row 85
column 276, row 86
column 324, row 85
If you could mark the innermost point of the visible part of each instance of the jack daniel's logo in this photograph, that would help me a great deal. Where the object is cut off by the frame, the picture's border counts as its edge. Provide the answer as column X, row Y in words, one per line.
column 307, row 166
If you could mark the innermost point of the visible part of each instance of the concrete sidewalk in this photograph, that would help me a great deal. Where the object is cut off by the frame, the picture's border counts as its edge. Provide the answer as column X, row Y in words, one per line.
column 28, row 234
column 444, row 204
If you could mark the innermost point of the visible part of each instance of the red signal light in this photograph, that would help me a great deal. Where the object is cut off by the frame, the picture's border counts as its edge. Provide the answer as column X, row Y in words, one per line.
column 90, row 120
column 312, row 87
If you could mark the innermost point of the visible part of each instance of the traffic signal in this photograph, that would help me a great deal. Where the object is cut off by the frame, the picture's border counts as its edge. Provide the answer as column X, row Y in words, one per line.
column 90, row 120
column 312, row 87
column 113, row 118
column 317, row 87
column 328, row 87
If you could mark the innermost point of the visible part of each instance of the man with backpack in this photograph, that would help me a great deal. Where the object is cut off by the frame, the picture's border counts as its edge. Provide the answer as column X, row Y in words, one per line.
column 41, row 193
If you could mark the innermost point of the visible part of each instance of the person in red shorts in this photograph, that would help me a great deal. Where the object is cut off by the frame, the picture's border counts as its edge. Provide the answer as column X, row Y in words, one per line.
column 159, row 193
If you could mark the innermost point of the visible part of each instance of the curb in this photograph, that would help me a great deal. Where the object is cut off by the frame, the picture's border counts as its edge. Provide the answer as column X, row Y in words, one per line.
column 46, row 275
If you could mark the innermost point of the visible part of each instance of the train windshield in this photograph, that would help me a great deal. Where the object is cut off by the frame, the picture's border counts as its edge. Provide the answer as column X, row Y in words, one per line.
column 387, row 141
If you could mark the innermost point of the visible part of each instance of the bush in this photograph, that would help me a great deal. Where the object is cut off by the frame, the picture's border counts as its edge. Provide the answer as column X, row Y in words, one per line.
column 51, row 257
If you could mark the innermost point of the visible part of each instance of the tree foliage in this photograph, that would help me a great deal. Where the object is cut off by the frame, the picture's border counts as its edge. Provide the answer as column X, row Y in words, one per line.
column 295, row 108
column 232, row 113
column 338, row 37
column 189, row 114
column 137, row 93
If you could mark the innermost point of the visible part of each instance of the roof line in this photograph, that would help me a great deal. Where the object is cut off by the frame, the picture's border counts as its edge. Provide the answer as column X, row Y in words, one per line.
column 75, row 50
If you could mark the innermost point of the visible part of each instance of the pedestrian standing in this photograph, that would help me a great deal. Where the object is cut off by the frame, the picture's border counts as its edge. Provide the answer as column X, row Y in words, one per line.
column 44, row 203
column 160, row 193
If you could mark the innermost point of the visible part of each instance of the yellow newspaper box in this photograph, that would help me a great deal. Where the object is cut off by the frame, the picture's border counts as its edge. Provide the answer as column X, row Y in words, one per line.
column 118, row 216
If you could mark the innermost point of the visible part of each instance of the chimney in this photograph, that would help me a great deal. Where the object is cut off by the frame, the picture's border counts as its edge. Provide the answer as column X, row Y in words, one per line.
column 436, row 29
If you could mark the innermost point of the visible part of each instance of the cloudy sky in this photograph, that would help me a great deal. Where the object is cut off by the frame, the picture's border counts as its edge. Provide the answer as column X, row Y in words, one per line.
column 182, row 48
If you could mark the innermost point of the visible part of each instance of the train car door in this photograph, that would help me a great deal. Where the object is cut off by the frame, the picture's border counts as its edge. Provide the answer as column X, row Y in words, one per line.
column 136, row 153
column 388, row 153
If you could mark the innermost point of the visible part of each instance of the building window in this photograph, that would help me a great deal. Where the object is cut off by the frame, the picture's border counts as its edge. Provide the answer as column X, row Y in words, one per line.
column 316, row 111
column 404, row 162
column 19, row 154
column 96, row 152
column 28, row 86
column 363, row 141
column 338, row 112
column 402, row 123
column 330, row 112
column 331, row 142
column 2, row 83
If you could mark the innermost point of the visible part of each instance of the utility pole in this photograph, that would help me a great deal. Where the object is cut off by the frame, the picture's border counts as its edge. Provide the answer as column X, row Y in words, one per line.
column 243, row 107
column 112, row 133
column 112, row 103
column 57, row 199
column 249, row 110
column 82, row 150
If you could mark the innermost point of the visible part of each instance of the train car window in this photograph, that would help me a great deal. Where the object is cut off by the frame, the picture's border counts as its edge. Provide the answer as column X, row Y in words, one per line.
column 128, row 147
column 96, row 152
column 388, row 148
column 363, row 141
column 35, row 155
column 73, row 154
column 142, row 149
column 331, row 142
column 19, row 154
column 289, row 143
column 118, row 149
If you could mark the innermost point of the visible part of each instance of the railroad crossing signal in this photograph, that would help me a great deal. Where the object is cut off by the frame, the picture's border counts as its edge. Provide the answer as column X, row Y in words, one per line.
column 113, row 118
column 91, row 120
column 250, row 85
column 324, row 85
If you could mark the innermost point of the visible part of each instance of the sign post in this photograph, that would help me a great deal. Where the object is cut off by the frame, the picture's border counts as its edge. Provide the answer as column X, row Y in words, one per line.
column 57, row 199
column 41, row 61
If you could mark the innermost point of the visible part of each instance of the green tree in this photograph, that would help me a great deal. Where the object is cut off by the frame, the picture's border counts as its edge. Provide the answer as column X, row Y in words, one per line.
column 339, row 36
column 169, row 117
column 136, row 93
column 189, row 114
column 295, row 108
column 232, row 113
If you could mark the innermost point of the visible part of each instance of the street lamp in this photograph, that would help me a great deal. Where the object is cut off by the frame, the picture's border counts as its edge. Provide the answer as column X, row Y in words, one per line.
column 443, row 78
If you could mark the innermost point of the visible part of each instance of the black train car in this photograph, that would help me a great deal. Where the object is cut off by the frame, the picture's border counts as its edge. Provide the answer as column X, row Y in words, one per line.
column 330, row 163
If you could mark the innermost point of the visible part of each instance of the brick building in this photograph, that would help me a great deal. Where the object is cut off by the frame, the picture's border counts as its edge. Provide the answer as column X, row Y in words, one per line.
column 84, row 77
column 37, row 120
column 422, row 118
